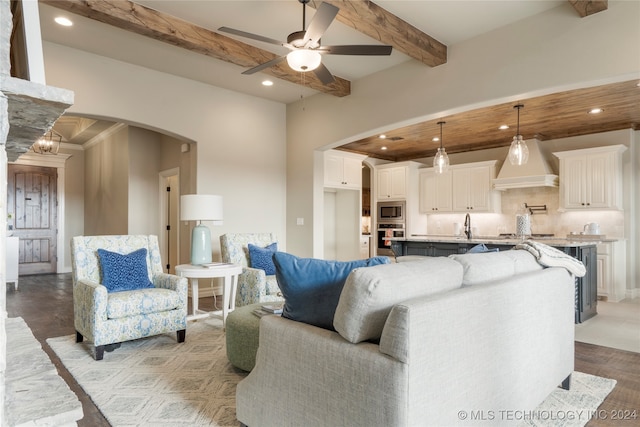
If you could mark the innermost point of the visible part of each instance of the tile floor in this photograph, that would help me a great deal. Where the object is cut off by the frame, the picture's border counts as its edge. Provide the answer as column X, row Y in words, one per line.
column 617, row 325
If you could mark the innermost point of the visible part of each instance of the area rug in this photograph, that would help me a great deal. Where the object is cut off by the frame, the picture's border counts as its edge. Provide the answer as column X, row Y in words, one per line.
column 158, row 382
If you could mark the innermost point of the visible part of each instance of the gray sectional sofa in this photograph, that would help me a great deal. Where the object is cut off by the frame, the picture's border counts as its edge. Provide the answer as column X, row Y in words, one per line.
column 422, row 342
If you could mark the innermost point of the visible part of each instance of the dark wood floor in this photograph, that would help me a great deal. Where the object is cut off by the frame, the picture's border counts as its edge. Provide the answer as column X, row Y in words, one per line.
column 45, row 303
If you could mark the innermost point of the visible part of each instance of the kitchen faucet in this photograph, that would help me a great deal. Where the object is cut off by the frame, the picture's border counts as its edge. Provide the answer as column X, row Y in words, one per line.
column 467, row 226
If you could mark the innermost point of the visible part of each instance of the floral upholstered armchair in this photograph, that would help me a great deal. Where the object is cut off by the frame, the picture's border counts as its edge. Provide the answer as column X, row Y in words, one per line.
column 108, row 315
column 254, row 284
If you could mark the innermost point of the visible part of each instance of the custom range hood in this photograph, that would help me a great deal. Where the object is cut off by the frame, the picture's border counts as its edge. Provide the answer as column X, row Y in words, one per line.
column 535, row 173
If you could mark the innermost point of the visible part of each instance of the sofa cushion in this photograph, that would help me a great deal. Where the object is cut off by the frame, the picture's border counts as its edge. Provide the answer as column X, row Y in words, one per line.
column 311, row 287
column 486, row 267
column 370, row 293
column 261, row 258
column 124, row 272
column 143, row 301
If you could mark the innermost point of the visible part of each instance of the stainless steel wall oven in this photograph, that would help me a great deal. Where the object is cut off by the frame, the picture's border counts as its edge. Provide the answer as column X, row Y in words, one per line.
column 390, row 223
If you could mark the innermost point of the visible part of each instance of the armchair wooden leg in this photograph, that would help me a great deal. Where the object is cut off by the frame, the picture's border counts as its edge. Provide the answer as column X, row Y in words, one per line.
column 566, row 384
column 181, row 335
column 99, row 352
column 79, row 337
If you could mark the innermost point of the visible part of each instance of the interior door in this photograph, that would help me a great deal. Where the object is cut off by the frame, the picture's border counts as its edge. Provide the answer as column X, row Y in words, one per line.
column 32, row 204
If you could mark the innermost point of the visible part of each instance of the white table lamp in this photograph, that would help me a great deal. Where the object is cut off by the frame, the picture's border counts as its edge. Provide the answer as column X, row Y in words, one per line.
column 201, row 207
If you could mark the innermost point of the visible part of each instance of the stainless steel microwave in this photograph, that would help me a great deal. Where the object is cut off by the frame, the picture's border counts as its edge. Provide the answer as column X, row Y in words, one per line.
column 391, row 211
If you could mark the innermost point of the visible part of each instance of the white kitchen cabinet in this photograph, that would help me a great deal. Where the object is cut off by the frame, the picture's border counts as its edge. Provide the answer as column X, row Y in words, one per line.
column 435, row 191
column 612, row 276
column 591, row 178
column 471, row 188
column 392, row 183
column 365, row 246
column 342, row 170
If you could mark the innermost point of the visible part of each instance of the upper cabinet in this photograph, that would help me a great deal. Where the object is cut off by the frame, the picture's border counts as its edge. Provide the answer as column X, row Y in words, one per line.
column 342, row 170
column 591, row 178
column 435, row 191
column 464, row 188
column 392, row 183
column 472, row 189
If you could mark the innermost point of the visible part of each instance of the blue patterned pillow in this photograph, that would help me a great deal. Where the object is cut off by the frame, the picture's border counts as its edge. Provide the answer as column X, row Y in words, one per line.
column 262, row 258
column 124, row 272
column 311, row 287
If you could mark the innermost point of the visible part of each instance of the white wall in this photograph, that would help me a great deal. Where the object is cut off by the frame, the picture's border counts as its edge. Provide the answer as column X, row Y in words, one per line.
column 241, row 141
column 552, row 51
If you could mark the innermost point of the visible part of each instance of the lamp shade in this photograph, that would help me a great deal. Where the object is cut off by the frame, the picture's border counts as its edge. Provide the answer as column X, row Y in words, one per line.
column 201, row 207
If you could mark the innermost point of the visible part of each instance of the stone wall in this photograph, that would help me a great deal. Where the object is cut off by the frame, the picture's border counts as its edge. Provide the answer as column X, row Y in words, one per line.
column 27, row 111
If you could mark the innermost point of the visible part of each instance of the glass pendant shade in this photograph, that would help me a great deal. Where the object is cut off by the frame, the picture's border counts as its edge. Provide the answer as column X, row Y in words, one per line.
column 304, row 60
column 518, row 152
column 441, row 161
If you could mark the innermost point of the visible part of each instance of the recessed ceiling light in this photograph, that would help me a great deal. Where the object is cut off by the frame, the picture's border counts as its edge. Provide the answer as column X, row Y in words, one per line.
column 383, row 136
column 503, row 127
column 435, row 139
column 65, row 22
column 267, row 83
column 383, row 148
column 596, row 111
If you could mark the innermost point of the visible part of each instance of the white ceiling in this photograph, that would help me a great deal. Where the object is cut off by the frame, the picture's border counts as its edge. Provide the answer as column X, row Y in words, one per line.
column 450, row 22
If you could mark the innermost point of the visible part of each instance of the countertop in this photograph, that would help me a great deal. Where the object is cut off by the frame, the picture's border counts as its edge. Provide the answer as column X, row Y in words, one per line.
column 496, row 240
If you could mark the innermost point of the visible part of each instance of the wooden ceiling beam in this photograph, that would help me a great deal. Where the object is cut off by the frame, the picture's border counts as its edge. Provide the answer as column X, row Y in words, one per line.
column 377, row 23
column 589, row 7
column 142, row 20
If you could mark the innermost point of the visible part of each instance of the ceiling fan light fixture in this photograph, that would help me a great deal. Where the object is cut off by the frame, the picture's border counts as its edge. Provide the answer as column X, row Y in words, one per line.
column 441, row 160
column 518, row 151
column 304, row 60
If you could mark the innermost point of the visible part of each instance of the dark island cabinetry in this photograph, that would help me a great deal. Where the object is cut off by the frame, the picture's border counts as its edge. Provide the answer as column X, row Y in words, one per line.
column 586, row 286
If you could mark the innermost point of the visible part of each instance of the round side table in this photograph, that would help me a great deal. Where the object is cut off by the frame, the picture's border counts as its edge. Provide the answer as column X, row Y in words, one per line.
column 229, row 272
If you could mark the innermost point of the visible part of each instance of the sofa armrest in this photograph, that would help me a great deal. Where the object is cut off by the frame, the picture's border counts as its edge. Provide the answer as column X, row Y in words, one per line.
column 511, row 339
column 89, row 306
column 173, row 282
column 252, row 285
column 321, row 379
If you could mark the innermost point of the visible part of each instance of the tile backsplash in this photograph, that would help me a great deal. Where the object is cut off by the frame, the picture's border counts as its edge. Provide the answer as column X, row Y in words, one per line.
column 550, row 222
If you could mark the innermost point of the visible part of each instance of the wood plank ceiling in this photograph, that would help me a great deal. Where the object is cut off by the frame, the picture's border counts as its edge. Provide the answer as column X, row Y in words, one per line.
column 552, row 116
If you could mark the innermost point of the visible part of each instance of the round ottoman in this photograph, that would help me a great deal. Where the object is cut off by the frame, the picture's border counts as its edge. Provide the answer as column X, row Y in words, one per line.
column 242, row 330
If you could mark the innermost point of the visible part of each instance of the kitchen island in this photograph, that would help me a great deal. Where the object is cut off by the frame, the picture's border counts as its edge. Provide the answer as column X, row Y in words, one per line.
column 584, row 250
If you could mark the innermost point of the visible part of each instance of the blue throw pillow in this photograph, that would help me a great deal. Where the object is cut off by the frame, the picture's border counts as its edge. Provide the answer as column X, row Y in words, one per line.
column 262, row 257
column 312, row 287
column 124, row 272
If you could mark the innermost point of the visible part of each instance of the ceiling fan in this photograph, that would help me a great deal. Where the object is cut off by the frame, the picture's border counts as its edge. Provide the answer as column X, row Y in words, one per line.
column 305, row 45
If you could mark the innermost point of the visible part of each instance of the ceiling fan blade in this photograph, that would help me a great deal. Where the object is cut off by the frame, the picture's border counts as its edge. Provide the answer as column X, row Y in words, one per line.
column 265, row 65
column 325, row 14
column 324, row 74
column 251, row 36
column 365, row 49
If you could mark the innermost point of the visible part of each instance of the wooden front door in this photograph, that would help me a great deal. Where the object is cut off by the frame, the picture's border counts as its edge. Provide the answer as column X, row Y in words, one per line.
column 32, row 204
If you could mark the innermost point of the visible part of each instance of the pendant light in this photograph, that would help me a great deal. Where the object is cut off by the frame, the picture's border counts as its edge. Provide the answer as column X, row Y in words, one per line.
column 441, row 160
column 49, row 143
column 518, row 152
